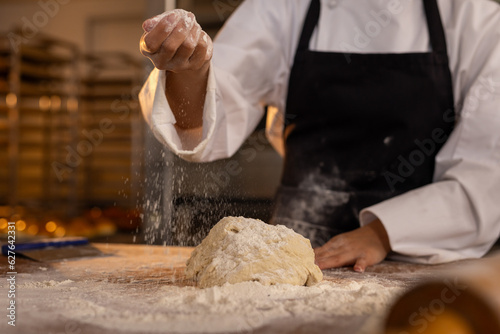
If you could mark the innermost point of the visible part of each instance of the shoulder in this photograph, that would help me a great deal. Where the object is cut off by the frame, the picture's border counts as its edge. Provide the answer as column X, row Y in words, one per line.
column 461, row 11
column 473, row 38
column 472, row 26
column 277, row 10
column 282, row 5
column 278, row 20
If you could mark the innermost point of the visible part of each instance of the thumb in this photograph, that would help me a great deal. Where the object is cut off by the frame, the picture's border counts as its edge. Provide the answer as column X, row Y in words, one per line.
column 360, row 265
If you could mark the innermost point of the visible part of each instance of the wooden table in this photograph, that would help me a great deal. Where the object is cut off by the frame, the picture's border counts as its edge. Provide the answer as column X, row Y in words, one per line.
column 61, row 297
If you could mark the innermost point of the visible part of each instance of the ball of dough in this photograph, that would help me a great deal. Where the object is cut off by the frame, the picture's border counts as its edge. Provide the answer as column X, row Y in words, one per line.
column 240, row 249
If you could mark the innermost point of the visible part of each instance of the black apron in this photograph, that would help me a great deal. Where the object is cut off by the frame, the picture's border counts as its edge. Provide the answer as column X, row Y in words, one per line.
column 362, row 128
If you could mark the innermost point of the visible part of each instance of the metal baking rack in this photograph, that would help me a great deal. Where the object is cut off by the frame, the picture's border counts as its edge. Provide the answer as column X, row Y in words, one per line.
column 56, row 159
column 38, row 119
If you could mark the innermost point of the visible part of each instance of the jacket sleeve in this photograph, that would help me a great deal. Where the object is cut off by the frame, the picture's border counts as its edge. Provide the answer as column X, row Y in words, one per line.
column 458, row 216
column 249, row 70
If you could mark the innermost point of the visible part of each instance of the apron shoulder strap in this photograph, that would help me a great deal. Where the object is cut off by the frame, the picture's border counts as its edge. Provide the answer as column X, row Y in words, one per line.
column 310, row 23
column 435, row 26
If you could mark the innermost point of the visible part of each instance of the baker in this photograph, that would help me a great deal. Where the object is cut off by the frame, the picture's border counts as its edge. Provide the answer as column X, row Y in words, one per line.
column 387, row 114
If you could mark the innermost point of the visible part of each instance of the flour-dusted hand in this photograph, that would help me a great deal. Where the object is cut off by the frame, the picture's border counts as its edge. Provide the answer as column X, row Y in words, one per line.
column 363, row 247
column 175, row 42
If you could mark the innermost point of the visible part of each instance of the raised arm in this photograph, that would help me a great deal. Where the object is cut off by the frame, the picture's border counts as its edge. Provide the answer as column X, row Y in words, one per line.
column 175, row 42
column 249, row 69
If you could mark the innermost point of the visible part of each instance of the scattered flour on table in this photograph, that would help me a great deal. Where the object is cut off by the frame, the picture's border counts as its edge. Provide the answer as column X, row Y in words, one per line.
column 44, row 284
column 129, row 308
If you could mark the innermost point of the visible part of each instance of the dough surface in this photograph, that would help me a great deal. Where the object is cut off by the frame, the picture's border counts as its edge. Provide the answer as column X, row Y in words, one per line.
column 240, row 249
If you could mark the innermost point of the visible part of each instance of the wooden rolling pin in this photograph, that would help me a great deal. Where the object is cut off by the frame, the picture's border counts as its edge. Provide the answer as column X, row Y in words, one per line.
column 464, row 301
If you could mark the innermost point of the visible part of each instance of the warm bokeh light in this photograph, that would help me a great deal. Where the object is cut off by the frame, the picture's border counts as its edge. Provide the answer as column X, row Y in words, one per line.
column 20, row 225
column 33, row 230
column 11, row 100
column 50, row 227
column 3, row 223
column 60, row 232
column 44, row 103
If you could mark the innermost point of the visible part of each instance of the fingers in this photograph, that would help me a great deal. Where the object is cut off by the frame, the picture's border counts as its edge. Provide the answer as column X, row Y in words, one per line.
column 336, row 243
column 334, row 254
column 360, row 265
column 190, row 55
column 202, row 52
column 362, row 247
column 174, row 41
column 161, row 31
column 188, row 46
column 334, row 261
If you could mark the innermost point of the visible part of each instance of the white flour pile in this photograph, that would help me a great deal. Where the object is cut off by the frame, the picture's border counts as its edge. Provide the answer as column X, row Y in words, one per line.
column 93, row 307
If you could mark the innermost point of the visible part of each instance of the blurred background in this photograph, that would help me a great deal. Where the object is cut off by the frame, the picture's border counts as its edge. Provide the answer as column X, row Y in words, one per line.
column 76, row 157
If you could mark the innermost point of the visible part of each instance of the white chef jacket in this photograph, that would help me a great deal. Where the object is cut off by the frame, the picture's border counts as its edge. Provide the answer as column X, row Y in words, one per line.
column 455, row 217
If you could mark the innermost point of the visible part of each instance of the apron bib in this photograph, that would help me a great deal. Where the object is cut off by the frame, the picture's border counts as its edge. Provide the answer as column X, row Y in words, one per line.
column 361, row 129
